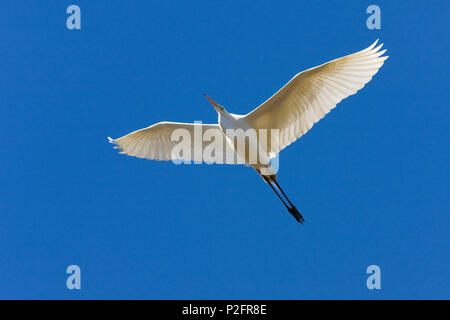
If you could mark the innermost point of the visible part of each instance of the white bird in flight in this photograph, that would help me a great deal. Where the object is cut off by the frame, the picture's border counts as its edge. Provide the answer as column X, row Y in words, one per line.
column 292, row 111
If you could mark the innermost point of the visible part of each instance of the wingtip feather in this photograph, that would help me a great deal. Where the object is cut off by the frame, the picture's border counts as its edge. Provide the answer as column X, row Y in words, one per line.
column 373, row 45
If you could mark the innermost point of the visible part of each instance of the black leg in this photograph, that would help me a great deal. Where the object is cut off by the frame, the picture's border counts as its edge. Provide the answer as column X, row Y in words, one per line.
column 279, row 188
column 276, row 192
column 292, row 209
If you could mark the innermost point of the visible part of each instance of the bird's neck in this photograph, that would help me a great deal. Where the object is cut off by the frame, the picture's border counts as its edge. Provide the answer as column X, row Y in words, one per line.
column 224, row 115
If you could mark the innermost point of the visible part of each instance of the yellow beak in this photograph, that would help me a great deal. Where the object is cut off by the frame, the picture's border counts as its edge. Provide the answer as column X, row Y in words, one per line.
column 212, row 102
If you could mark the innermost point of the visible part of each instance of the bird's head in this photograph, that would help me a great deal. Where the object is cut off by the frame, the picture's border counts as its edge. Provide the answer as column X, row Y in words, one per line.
column 219, row 108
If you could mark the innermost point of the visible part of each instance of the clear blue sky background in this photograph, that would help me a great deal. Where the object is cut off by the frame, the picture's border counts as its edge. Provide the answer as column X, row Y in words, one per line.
column 371, row 178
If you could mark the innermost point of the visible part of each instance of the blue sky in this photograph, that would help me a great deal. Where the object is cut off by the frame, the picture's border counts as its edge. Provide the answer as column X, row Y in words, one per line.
column 371, row 179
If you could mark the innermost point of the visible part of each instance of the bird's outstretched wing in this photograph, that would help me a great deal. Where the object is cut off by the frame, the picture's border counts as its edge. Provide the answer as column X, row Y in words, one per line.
column 311, row 94
column 176, row 141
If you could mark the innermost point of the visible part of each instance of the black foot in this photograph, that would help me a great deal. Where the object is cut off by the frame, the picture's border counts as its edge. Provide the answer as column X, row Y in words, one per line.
column 293, row 210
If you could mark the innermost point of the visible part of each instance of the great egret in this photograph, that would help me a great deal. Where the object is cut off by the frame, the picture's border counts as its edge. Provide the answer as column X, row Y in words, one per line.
column 292, row 111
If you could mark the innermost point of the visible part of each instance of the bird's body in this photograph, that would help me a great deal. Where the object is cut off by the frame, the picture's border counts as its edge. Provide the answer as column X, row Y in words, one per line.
column 235, row 128
column 266, row 130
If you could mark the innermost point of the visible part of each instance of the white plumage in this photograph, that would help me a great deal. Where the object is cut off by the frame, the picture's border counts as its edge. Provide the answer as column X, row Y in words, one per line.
column 293, row 110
